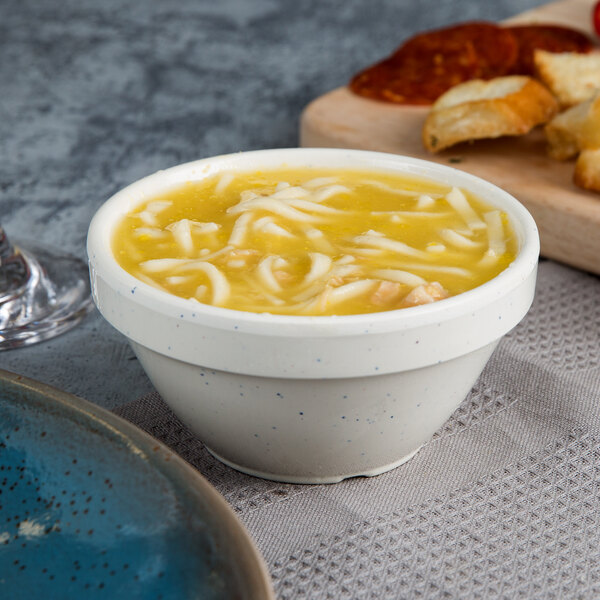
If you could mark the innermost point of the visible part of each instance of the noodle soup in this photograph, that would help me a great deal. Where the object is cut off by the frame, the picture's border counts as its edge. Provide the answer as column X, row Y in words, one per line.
column 314, row 241
column 311, row 399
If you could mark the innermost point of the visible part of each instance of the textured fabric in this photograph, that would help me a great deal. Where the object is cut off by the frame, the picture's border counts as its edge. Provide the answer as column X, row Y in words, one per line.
column 504, row 502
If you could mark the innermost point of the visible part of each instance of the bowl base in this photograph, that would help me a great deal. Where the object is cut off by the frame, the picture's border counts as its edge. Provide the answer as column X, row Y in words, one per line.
column 313, row 479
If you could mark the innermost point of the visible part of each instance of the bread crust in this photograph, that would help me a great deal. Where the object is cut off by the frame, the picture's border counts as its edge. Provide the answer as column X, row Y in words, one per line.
column 587, row 170
column 575, row 129
column 477, row 109
column 571, row 76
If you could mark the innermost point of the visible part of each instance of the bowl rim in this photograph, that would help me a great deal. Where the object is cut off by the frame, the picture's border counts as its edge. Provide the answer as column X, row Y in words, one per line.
column 102, row 261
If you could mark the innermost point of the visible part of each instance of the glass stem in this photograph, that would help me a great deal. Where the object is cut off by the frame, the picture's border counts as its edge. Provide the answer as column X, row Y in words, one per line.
column 14, row 271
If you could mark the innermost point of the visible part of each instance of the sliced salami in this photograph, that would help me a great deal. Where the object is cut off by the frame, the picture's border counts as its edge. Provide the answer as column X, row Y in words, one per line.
column 430, row 63
column 552, row 38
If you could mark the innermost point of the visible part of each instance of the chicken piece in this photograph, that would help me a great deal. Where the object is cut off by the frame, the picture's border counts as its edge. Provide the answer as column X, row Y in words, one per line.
column 284, row 277
column 336, row 281
column 387, row 293
column 425, row 294
column 240, row 259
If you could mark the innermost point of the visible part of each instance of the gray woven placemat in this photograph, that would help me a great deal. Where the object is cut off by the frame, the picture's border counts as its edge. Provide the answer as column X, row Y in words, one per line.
column 504, row 502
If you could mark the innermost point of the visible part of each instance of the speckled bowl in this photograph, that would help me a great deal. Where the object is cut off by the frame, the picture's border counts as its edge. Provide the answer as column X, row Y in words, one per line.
column 312, row 399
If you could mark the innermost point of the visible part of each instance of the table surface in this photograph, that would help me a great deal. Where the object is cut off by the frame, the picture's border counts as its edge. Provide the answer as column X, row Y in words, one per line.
column 96, row 95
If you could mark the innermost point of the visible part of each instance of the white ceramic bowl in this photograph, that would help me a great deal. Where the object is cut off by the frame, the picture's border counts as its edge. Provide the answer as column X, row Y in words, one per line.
column 312, row 399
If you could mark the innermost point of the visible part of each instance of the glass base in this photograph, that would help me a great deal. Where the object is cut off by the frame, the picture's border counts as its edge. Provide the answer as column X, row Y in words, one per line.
column 52, row 297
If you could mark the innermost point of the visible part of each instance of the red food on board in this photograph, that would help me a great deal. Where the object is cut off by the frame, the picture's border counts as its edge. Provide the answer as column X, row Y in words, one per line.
column 494, row 47
column 416, row 81
column 430, row 63
column 552, row 38
column 596, row 17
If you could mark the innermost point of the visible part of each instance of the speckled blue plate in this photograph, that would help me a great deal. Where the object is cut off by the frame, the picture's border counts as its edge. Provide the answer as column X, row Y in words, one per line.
column 92, row 507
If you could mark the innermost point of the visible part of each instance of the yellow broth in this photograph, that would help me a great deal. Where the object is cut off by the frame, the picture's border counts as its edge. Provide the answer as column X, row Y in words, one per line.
column 314, row 241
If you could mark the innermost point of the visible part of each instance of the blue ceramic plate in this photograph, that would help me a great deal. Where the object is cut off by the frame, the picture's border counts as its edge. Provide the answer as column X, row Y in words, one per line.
column 92, row 507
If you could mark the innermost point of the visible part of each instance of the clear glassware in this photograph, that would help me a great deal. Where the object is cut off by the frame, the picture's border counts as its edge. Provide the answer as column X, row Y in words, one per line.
column 43, row 293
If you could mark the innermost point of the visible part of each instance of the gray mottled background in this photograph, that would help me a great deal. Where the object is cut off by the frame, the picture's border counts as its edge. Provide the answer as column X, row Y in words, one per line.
column 94, row 95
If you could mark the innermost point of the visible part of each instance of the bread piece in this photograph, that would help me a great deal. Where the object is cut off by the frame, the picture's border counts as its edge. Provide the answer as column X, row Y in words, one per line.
column 587, row 170
column 476, row 109
column 575, row 129
column 571, row 76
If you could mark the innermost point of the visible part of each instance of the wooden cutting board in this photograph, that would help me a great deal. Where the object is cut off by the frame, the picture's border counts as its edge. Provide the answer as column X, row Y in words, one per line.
column 568, row 217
